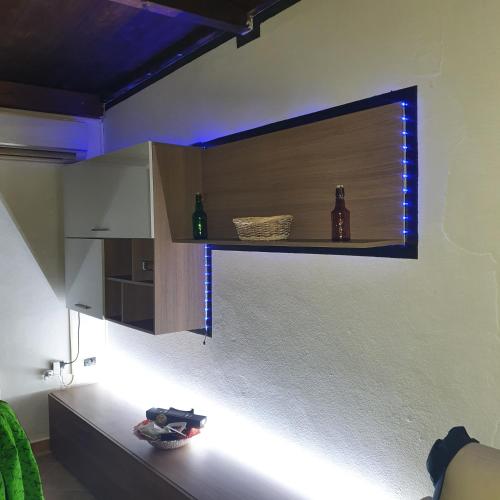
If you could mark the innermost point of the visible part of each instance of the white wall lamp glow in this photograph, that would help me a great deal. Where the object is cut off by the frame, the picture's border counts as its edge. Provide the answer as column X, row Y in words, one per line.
column 296, row 468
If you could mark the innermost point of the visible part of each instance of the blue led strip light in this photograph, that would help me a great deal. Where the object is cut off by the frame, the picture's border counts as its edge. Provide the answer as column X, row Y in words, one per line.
column 404, row 164
column 208, row 290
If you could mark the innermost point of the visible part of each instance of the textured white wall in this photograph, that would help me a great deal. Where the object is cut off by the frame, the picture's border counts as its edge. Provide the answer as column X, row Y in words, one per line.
column 33, row 317
column 381, row 356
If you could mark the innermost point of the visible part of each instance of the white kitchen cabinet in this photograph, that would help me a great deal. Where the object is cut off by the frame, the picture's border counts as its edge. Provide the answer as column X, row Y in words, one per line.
column 84, row 275
column 122, row 263
column 110, row 196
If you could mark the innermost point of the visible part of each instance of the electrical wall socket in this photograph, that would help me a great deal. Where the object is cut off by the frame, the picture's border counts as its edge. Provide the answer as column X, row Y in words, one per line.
column 90, row 361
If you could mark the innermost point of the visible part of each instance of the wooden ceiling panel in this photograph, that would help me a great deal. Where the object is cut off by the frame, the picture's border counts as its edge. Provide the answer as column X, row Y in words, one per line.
column 105, row 50
column 81, row 45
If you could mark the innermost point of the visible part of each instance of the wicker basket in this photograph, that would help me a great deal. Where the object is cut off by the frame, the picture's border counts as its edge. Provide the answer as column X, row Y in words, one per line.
column 171, row 444
column 272, row 228
column 168, row 445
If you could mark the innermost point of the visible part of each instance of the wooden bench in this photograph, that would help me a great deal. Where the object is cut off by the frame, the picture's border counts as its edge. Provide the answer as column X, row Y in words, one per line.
column 91, row 434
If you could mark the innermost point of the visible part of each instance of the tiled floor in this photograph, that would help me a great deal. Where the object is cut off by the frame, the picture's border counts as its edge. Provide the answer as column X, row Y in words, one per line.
column 58, row 483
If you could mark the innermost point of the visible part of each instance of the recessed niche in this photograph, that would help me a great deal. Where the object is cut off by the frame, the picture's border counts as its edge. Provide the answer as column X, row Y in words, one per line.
column 129, row 286
column 292, row 167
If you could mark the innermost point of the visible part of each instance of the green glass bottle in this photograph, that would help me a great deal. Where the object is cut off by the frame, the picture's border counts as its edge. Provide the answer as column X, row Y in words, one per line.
column 200, row 231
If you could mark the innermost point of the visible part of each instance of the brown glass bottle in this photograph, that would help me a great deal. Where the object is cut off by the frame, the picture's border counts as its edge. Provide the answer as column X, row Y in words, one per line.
column 341, row 217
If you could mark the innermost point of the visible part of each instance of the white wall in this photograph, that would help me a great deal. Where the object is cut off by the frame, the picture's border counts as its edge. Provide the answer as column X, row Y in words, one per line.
column 371, row 358
column 33, row 317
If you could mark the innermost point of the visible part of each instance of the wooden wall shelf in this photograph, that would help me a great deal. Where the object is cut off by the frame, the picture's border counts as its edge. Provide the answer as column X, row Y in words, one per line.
column 293, row 168
column 300, row 243
column 127, row 279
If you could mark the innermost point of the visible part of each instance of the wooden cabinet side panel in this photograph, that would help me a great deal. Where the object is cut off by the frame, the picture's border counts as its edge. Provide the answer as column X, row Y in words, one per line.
column 179, row 268
column 179, row 170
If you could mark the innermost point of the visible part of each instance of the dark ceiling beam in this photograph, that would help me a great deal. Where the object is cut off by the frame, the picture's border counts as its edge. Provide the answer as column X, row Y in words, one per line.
column 222, row 15
column 48, row 100
column 198, row 42
column 192, row 46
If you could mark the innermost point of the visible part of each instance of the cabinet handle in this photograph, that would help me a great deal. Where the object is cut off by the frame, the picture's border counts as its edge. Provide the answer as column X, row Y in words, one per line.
column 100, row 229
column 82, row 306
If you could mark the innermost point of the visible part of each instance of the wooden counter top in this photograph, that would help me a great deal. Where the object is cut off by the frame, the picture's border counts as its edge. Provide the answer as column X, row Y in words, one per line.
column 90, row 420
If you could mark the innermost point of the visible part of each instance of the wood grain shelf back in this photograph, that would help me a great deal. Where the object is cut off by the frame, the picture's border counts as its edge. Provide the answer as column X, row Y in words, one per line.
column 295, row 171
column 179, row 270
column 129, row 300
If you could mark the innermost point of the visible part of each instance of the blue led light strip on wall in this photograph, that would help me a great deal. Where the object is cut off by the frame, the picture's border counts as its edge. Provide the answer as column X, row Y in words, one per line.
column 404, row 164
column 208, row 291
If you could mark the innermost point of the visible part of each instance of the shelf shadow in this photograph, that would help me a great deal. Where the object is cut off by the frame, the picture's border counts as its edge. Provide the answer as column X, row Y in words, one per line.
column 32, row 195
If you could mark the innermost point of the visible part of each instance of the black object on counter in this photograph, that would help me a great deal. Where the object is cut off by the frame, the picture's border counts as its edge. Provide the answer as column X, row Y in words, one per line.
column 172, row 415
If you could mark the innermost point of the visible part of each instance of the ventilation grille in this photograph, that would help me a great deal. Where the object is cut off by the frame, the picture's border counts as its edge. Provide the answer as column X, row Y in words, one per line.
column 43, row 155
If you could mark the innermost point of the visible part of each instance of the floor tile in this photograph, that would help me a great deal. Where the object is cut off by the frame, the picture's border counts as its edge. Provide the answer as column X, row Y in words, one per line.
column 59, row 483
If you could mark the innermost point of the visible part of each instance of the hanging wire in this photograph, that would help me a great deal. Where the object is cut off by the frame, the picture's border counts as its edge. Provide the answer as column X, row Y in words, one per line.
column 64, row 364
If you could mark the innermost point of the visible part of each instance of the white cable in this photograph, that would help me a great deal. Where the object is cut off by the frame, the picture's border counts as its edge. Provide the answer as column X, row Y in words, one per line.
column 70, row 363
column 61, row 376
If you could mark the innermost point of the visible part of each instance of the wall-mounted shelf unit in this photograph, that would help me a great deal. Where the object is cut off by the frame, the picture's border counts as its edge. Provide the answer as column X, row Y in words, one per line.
column 134, row 206
column 121, row 263
column 292, row 167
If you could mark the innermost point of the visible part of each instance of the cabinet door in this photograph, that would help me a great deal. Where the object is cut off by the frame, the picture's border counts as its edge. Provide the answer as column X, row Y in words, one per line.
column 84, row 276
column 109, row 196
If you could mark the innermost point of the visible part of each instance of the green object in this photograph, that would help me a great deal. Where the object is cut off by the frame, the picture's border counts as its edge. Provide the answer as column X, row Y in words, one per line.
column 19, row 476
column 200, row 230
